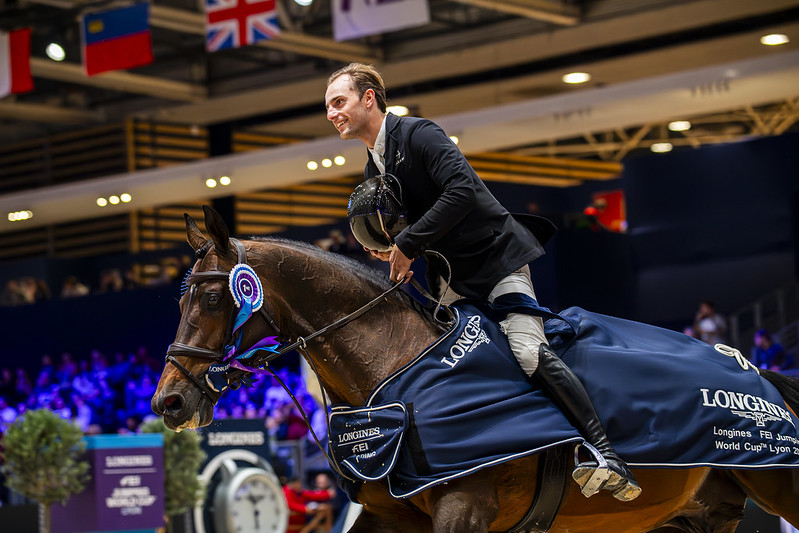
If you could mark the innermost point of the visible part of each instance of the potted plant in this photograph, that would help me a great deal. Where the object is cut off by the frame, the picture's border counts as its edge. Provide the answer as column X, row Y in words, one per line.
column 183, row 457
column 43, row 460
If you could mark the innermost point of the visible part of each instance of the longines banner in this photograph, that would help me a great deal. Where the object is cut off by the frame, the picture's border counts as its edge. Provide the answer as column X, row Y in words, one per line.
column 358, row 18
column 126, row 490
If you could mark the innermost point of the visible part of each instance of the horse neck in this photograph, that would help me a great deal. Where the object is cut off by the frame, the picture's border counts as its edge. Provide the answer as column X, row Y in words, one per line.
column 312, row 290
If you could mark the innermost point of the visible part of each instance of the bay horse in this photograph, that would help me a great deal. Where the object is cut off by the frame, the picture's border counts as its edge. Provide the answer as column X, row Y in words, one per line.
column 306, row 289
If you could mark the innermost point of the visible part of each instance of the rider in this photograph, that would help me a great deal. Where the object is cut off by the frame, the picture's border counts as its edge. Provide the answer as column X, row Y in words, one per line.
column 450, row 210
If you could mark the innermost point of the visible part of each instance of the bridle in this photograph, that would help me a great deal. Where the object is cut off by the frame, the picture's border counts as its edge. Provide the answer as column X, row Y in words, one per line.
column 180, row 349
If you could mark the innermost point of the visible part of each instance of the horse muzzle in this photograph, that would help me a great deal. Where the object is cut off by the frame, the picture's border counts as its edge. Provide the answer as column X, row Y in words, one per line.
column 180, row 412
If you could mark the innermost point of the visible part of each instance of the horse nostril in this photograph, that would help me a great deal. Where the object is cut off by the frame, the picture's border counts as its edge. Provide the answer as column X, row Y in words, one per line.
column 173, row 402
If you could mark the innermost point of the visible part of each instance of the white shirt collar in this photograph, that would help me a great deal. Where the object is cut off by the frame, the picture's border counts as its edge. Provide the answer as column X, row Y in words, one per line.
column 379, row 150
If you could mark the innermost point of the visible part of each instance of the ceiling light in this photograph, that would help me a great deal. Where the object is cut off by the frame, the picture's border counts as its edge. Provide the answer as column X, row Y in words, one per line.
column 210, row 183
column 680, row 125
column 399, row 110
column 224, row 180
column 55, row 52
column 454, row 138
column 102, row 202
column 303, row 3
column 339, row 160
column 661, row 148
column 18, row 216
column 312, row 165
column 774, row 39
column 125, row 197
column 576, row 77
column 113, row 199
column 327, row 163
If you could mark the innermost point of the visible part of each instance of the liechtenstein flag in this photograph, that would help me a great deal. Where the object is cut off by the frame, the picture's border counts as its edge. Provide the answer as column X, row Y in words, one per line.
column 117, row 39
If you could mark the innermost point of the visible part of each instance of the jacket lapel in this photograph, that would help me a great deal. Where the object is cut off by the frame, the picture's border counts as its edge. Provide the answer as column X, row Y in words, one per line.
column 392, row 143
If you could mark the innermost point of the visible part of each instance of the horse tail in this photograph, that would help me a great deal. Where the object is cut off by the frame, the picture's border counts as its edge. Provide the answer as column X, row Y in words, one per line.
column 787, row 386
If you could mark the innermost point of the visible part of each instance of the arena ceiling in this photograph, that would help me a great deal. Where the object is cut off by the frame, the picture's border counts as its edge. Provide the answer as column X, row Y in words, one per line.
column 489, row 71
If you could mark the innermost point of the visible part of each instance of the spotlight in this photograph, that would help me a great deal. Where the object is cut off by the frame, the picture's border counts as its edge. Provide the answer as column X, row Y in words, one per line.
column 18, row 216
column 312, row 165
column 125, row 197
column 113, row 199
column 774, row 39
column 399, row 110
column 576, row 77
column 454, row 138
column 224, row 180
column 680, row 125
column 339, row 160
column 102, row 202
column 327, row 163
column 661, row 148
column 55, row 52
column 210, row 183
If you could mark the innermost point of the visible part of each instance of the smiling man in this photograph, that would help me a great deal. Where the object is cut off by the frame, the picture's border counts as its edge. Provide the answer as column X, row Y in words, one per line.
column 449, row 209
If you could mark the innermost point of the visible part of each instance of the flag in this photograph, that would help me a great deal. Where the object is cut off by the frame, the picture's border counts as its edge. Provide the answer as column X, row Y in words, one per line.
column 15, row 62
column 235, row 23
column 358, row 18
column 116, row 39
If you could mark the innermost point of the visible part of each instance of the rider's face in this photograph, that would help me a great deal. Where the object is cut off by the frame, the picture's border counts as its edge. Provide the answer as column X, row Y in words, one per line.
column 345, row 109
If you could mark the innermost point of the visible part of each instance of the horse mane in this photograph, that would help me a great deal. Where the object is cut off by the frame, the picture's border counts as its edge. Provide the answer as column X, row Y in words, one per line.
column 366, row 273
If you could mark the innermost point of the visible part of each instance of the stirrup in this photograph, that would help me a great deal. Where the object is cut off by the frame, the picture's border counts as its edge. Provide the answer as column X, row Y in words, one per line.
column 590, row 477
column 596, row 475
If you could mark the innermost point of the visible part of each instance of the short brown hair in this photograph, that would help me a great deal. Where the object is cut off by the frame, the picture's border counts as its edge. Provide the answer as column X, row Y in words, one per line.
column 364, row 77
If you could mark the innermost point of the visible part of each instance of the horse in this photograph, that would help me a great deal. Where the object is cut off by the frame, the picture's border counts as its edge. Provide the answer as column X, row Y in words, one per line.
column 306, row 289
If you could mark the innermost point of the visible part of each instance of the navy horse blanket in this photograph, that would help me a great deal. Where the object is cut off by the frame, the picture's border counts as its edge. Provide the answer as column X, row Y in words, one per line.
column 464, row 404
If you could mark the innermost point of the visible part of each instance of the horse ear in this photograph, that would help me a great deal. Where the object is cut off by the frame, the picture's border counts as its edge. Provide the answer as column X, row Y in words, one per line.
column 194, row 236
column 217, row 228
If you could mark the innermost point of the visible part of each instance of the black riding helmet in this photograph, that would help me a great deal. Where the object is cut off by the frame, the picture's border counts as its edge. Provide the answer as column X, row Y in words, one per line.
column 375, row 212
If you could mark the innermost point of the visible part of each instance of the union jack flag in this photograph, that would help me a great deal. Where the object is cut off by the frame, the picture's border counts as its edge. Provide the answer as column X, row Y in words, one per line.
column 235, row 23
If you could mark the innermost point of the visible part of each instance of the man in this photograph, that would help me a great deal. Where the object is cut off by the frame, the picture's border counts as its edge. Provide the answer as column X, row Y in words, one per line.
column 304, row 504
column 709, row 326
column 450, row 210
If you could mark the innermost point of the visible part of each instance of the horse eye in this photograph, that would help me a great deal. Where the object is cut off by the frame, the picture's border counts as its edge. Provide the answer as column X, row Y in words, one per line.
column 213, row 300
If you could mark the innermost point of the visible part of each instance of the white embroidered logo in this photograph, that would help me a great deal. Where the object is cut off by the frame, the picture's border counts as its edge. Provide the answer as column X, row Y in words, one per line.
column 472, row 337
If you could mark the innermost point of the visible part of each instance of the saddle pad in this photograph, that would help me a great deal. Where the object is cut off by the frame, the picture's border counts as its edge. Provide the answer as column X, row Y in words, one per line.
column 665, row 400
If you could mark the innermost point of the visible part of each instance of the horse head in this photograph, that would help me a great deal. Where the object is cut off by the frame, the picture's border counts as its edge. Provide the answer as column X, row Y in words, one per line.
column 206, row 309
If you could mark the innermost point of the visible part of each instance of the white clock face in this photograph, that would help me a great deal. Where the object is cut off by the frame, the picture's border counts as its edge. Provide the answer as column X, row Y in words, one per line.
column 251, row 501
column 255, row 507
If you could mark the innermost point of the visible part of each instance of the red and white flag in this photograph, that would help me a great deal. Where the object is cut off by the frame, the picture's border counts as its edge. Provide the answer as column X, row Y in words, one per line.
column 15, row 62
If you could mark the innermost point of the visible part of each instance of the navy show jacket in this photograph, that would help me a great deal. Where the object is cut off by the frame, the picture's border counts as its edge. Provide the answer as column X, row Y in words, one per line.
column 450, row 210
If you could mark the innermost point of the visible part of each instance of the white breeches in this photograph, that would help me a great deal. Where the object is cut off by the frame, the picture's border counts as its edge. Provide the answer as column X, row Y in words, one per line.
column 525, row 332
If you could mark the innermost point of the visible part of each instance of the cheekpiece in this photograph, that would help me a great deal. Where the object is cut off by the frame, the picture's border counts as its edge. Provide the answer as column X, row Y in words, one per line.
column 245, row 285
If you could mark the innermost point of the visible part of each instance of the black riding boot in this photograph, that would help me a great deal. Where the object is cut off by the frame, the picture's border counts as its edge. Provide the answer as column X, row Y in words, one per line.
column 568, row 393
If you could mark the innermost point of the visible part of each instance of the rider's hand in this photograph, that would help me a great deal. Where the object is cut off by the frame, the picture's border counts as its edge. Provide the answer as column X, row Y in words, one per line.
column 400, row 265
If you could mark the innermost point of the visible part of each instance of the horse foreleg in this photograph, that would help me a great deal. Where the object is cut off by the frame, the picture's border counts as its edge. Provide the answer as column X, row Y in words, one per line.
column 463, row 506
column 369, row 522
column 384, row 514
